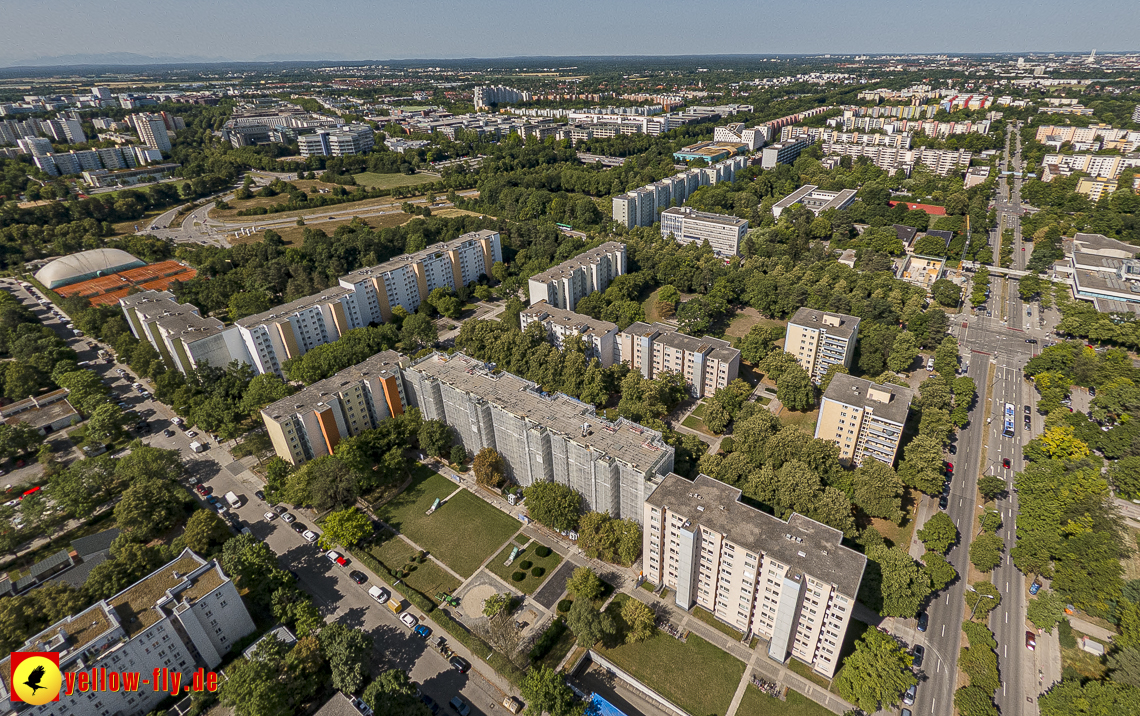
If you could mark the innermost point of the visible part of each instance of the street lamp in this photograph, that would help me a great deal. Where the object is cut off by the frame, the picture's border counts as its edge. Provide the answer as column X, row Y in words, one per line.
column 979, row 601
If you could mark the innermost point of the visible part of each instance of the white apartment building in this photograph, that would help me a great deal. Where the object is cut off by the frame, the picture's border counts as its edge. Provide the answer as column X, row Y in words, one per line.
column 561, row 325
column 815, row 199
column 641, row 206
column 565, row 284
column 340, row 142
column 185, row 339
column 784, row 152
column 737, row 133
column 864, row 419
column 940, row 161
column 311, row 423
column 184, row 616
column 792, row 583
column 1103, row 166
column 498, row 94
column 687, row 226
column 819, row 340
column 707, row 364
column 407, row 280
column 152, row 131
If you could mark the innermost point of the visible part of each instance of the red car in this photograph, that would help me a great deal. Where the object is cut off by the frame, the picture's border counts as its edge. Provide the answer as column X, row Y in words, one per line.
column 950, row 468
column 202, row 490
column 1005, row 462
column 1030, row 640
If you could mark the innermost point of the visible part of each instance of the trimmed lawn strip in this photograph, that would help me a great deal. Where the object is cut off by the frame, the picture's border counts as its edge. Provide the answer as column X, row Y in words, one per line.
column 805, row 671
column 528, row 585
column 428, row 578
column 694, row 423
column 708, row 618
column 755, row 703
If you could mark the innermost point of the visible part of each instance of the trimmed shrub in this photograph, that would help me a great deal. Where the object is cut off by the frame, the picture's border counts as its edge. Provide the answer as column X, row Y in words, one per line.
column 525, row 565
column 542, row 551
column 564, row 606
column 538, row 571
column 549, row 638
column 518, row 576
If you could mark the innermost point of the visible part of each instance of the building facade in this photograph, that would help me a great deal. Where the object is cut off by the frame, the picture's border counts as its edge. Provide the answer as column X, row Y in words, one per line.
column 792, row 583
column 864, row 419
column 560, row 324
column 641, row 206
column 565, row 284
column 820, row 340
column 152, row 131
column 340, row 142
column 185, row 339
column 542, row 436
column 689, row 226
column 784, row 152
column 310, row 423
column 295, row 328
column 707, row 364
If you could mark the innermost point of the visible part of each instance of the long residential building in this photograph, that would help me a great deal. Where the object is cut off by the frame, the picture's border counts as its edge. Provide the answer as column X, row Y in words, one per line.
column 864, row 419
column 738, row 133
column 707, row 364
column 184, row 338
column 1104, row 166
column 784, row 152
column 310, row 423
column 542, row 436
column 689, row 226
column 562, row 325
column 940, row 161
column 565, row 284
column 295, row 328
column 819, row 340
column 184, row 616
column 641, row 206
column 790, row 583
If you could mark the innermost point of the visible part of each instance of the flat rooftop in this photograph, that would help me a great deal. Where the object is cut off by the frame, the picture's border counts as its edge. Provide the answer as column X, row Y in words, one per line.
column 705, row 216
column 858, row 392
column 143, row 297
column 586, row 258
column 816, row 199
column 416, row 257
column 135, row 605
column 801, row 543
column 670, row 336
column 813, row 318
column 1096, row 262
column 383, row 364
column 191, row 327
column 43, row 415
column 622, row 440
column 288, row 309
column 1091, row 281
column 543, row 311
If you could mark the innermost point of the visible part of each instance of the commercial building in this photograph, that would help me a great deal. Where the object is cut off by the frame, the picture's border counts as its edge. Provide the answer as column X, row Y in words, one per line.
column 707, row 364
column 820, row 340
column 182, row 336
column 816, row 199
column 790, row 583
column 184, row 616
column 309, row 424
column 1099, row 276
column 542, row 436
column 976, row 176
column 340, row 142
column 724, row 233
column 565, row 284
column 864, row 419
column 152, row 131
column 407, row 280
column 711, row 152
column 784, row 152
column 560, row 324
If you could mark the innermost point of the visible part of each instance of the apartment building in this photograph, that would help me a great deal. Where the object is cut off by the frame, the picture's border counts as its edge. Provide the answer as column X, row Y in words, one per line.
column 542, row 436
column 815, row 199
column 791, row 583
column 561, row 325
column 185, row 339
column 565, row 284
column 688, row 226
column 819, row 340
column 940, row 161
column 900, row 140
column 498, row 94
column 707, row 364
column 184, row 616
column 310, row 423
column 864, row 419
column 641, row 206
column 36, row 146
column 784, row 152
column 738, row 133
column 1100, row 166
column 152, row 131
column 295, row 328
column 340, row 142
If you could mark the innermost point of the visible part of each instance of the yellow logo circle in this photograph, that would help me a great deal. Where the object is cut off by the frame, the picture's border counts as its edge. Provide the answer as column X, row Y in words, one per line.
column 36, row 680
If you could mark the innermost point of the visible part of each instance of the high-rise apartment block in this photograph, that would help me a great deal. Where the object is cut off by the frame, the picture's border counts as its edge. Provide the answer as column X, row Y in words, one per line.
column 864, row 419
column 689, row 226
column 182, row 336
column 792, row 583
column 498, row 94
column 408, row 279
column 565, row 284
column 309, row 424
column 819, row 340
column 737, row 133
column 561, row 325
column 340, row 142
column 185, row 616
column 542, row 436
column 36, row 146
column 295, row 328
column 152, row 131
column 641, row 206
column 784, row 152
column 707, row 364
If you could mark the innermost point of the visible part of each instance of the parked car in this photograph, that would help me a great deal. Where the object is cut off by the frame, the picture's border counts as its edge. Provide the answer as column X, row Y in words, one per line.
column 202, row 489
column 943, row 501
column 460, row 664
column 1035, row 587
column 1030, row 640
column 908, row 696
column 280, row 509
column 409, row 620
column 288, row 517
column 919, row 652
column 259, row 494
column 460, row 706
column 430, row 703
column 211, row 499
column 423, row 631
column 338, row 558
column 269, row 516
column 168, row 433
column 309, row 535
column 357, row 576
column 1028, row 410
column 923, row 621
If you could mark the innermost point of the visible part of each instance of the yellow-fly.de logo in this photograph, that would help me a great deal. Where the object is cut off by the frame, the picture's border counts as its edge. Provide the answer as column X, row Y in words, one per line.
column 35, row 677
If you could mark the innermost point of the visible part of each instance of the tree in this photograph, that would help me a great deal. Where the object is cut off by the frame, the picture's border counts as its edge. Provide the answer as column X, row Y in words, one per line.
column 1091, row 698
column 717, row 418
column 261, row 391
column 545, row 691
column 584, row 584
column 587, row 623
column 253, row 687
column 878, row 490
column 86, row 390
column 496, row 604
column 1124, row 666
column 394, row 694
column 1124, row 475
column 253, row 566
column 247, row 303
column 829, row 375
column 877, row 674
column 345, row 528
column 991, row 486
column 903, row 352
column 148, row 463
column 490, row 468
column 416, row 332
column 20, row 381
column 986, row 551
column 347, row 651
column 946, row 357
column 941, row 572
column 206, row 533
column 106, row 425
column 458, row 455
column 946, row 293
column 985, row 597
column 938, row 534
column 324, row 483
column 149, row 508
column 759, row 342
column 1046, row 610
column 435, row 437
column 921, row 467
column 556, row 506
column 640, row 621
column 1060, row 442
column 795, row 390
column 895, row 584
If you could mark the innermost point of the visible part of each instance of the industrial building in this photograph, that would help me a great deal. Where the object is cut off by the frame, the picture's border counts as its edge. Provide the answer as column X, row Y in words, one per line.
column 184, row 338
column 561, row 325
column 864, row 419
column 310, row 423
column 565, row 284
column 790, row 583
column 185, row 616
column 816, row 199
column 820, row 339
column 707, row 364
column 689, row 226
column 542, row 436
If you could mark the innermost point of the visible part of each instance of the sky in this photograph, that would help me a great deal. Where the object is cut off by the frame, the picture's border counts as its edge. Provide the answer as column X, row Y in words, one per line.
column 446, row 29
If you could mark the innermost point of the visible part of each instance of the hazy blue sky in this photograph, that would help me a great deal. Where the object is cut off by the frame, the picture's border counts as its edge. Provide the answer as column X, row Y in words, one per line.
column 383, row 29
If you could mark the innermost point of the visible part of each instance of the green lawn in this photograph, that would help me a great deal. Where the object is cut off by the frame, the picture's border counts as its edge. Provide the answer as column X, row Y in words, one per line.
column 755, row 703
column 462, row 533
column 372, row 180
column 695, row 675
column 805, row 671
column 708, row 618
column 694, row 423
column 527, row 554
column 427, row 578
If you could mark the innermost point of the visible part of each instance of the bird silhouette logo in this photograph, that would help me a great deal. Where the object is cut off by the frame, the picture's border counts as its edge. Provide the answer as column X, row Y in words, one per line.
column 34, row 677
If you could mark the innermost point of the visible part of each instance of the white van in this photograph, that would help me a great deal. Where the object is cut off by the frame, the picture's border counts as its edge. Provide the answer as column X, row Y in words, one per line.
column 197, row 447
column 233, row 500
column 380, row 595
column 930, row 364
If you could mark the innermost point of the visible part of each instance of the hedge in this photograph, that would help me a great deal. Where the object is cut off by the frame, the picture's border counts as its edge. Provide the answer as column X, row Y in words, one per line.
column 416, row 597
column 548, row 639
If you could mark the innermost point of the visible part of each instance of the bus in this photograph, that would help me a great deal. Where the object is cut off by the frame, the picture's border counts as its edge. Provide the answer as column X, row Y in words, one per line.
column 1007, row 427
column 567, row 227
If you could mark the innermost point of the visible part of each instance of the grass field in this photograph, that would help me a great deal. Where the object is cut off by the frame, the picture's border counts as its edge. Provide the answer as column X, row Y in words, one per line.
column 462, row 533
column 695, row 675
column 805, row 671
column 755, row 703
column 693, row 423
column 745, row 319
column 295, row 234
column 1131, row 563
column 803, row 421
column 1089, row 666
column 428, row 578
column 372, row 180
column 708, row 618
column 527, row 554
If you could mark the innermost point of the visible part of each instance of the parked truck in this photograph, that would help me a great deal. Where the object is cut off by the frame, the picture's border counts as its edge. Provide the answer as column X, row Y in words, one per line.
column 233, row 500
